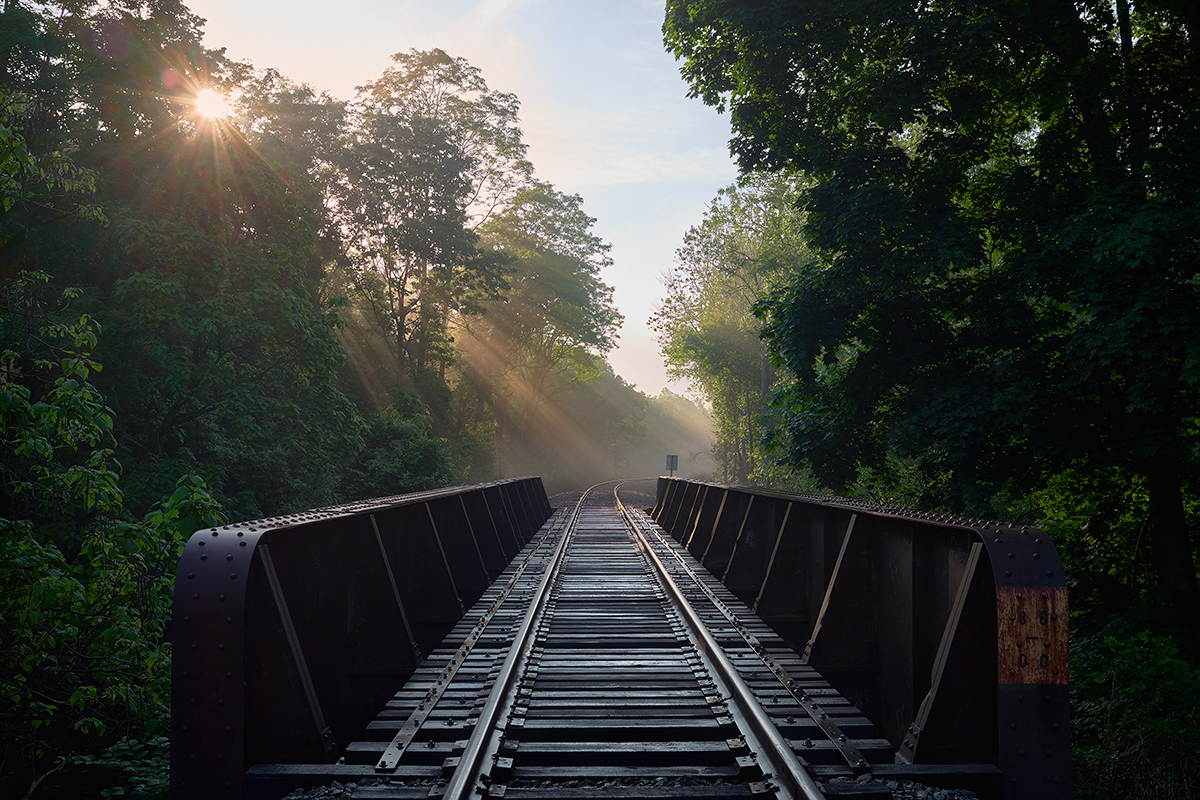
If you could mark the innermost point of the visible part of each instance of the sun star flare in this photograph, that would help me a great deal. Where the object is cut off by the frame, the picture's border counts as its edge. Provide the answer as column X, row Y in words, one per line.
column 212, row 104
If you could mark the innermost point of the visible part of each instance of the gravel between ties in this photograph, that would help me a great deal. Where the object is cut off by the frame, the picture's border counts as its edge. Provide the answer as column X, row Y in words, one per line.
column 907, row 790
column 901, row 790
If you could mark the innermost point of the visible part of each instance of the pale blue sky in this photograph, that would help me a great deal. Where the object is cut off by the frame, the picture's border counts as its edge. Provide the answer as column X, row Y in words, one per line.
column 603, row 109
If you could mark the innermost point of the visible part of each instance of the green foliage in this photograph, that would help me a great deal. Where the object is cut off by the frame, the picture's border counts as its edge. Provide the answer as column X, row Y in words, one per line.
column 59, row 468
column 557, row 311
column 749, row 239
column 245, row 277
column 51, row 180
column 673, row 425
column 1099, row 523
column 404, row 207
column 1001, row 316
column 610, row 417
column 549, row 334
column 431, row 153
column 482, row 122
column 1134, row 706
column 84, row 593
column 1004, row 211
column 145, row 765
column 398, row 456
column 221, row 351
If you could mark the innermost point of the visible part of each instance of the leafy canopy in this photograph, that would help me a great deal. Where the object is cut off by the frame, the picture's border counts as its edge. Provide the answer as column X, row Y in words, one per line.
column 1008, row 216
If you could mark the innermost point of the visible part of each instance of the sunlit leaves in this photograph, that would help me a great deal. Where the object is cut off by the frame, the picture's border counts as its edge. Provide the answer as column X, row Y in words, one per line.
column 556, row 320
column 557, row 292
column 431, row 153
column 482, row 122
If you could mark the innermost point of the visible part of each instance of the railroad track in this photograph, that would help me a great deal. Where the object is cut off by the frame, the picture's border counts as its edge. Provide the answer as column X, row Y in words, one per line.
column 603, row 662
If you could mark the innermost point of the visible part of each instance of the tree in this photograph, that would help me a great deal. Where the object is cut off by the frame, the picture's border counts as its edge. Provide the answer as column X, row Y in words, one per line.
column 226, row 356
column 706, row 325
column 404, row 210
column 482, row 122
column 85, row 593
column 1005, row 208
column 555, row 323
column 397, row 457
column 678, row 426
column 434, row 154
column 205, row 279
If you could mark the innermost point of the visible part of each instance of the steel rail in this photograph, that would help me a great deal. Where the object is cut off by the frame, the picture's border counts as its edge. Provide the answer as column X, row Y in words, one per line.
column 843, row 743
column 786, row 769
column 390, row 760
column 483, row 745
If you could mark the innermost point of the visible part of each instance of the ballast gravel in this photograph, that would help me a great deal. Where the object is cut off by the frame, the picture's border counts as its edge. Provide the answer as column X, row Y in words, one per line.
column 907, row 790
column 904, row 790
column 334, row 791
column 901, row 790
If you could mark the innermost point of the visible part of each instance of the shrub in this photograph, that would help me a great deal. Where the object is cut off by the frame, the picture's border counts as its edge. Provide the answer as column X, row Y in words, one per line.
column 85, row 592
column 1135, row 702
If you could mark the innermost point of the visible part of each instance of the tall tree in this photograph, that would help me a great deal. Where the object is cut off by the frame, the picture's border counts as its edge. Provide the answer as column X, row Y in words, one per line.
column 557, row 320
column 433, row 155
column 482, row 122
column 404, row 212
column 1007, row 214
column 84, row 592
column 706, row 325
column 205, row 278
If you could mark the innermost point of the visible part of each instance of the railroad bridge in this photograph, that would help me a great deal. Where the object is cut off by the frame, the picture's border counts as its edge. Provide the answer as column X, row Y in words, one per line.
column 660, row 638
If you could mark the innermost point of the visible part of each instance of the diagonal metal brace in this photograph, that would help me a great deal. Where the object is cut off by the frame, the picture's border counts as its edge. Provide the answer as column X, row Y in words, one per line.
column 845, row 746
column 404, row 737
column 314, row 704
column 387, row 563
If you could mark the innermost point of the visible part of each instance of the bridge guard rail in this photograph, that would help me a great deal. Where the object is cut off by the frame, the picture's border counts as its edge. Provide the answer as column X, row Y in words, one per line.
column 950, row 633
column 290, row 633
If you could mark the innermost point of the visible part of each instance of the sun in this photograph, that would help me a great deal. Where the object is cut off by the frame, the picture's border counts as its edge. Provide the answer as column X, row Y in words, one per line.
column 212, row 104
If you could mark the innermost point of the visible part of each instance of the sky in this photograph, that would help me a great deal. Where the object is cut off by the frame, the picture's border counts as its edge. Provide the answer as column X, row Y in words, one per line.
column 603, row 111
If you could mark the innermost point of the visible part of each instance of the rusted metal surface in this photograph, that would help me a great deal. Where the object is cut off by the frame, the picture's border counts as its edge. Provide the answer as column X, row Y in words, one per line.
column 893, row 612
column 276, row 663
column 1032, row 644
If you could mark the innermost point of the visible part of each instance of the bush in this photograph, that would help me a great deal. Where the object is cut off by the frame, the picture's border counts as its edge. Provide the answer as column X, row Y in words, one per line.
column 85, row 592
column 398, row 456
column 145, row 767
column 1135, row 701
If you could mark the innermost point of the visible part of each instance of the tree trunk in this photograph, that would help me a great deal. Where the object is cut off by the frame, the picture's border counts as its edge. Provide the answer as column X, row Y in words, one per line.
column 765, row 377
column 1170, row 540
column 503, row 457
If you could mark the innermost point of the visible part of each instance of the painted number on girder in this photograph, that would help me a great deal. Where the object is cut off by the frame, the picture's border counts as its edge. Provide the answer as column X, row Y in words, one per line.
column 1032, row 632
